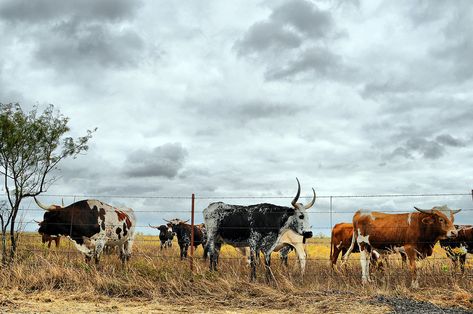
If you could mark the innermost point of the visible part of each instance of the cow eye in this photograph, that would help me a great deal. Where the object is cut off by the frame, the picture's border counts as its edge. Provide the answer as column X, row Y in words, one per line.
column 441, row 220
column 301, row 217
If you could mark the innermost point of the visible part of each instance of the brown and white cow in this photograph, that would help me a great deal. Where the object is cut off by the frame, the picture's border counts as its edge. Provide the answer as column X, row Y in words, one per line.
column 91, row 225
column 289, row 241
column 414, row 233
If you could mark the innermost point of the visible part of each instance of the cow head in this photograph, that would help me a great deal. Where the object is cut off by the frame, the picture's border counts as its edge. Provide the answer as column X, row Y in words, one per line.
column 299, row 218
column 438, row 223
column 52, row 223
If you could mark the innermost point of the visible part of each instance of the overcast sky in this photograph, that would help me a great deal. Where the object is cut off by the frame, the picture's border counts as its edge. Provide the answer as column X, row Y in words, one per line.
column 237, row 98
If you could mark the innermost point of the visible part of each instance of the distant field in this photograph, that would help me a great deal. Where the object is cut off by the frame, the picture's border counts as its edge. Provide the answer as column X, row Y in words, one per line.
column 156, row 279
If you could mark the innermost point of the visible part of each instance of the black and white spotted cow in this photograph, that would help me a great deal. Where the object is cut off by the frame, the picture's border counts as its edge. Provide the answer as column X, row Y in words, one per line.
column 258, row 227
column 166, row 235
column 91, row 225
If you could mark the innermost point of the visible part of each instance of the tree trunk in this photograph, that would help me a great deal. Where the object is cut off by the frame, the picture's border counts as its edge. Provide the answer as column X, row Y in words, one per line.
column 4, row 245
column 13, row 232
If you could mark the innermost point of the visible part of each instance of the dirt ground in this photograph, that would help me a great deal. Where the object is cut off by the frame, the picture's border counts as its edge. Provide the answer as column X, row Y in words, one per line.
column 18, row 302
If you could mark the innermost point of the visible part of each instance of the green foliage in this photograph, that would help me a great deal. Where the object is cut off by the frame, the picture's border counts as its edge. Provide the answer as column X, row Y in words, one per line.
column 32, row 145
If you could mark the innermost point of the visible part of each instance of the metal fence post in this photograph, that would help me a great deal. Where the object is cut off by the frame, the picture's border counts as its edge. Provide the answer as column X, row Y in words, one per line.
column 331, row 212
column 191, row 260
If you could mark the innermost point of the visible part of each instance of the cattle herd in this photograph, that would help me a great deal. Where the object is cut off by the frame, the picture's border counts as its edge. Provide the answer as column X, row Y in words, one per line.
column 93, row 227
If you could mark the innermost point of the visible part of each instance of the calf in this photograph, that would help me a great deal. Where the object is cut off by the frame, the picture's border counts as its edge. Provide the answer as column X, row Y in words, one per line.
column 457, row 248
column 49, row 238
column 414, row 233
column 289, row 241
column 165, row 235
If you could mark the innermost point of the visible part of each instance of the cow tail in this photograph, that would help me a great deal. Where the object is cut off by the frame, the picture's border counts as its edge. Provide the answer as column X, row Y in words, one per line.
column 352, row 245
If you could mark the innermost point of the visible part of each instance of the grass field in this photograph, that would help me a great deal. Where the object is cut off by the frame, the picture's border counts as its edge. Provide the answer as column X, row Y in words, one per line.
column 155, row 281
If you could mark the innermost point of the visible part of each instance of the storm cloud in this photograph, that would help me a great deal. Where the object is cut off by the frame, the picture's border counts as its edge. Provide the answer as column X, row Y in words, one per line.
column 162, row 161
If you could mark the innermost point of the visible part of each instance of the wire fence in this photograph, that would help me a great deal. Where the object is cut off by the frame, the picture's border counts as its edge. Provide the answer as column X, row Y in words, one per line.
column 327, row 212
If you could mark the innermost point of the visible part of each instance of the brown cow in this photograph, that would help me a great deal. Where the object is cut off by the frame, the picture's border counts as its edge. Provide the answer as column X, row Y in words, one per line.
column 340, row 241
column 415, row 234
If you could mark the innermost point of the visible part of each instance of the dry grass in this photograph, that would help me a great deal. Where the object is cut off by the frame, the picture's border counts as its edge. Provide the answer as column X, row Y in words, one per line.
column 163, row 281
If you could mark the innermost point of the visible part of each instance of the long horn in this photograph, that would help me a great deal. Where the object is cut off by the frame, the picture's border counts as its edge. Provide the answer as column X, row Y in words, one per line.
column 153, row 226
column 166, row 220
column 312, row 202
column 62, row 202
column 425, row 211
column 294, row 201
column 42, row 205
column 186, row 221
column 38, row 222
column 456, row 211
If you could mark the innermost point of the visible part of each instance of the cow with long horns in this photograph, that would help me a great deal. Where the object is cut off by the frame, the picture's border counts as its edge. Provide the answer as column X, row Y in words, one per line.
column 166, row 235
column 259, row 227
column 183, row 233
column 91, row 225
column 414, row 234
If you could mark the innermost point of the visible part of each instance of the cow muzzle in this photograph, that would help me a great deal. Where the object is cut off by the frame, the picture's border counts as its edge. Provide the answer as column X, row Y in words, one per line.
column 452, row 233
column 306, row 235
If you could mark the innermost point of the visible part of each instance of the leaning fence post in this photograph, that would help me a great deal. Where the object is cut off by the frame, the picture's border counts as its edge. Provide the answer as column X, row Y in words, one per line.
column 191, row 260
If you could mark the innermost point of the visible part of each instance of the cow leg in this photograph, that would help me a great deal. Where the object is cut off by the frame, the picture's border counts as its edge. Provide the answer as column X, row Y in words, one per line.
column 301, row 255
column 411, row 255
column 335, row 253
column 99, row 246
column 283, row 255
column 365, row 262
column 462, row 262
column 267, row 264
column 253, row 264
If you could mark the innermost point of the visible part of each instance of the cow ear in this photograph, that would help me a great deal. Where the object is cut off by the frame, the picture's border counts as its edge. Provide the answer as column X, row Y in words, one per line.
column 428, row 220
column 290, row 211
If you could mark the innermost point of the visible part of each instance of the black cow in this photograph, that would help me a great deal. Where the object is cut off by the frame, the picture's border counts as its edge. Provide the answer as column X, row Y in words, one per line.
column 256, row 226
column 165, row 235
column 457, row 248
column 183, row 233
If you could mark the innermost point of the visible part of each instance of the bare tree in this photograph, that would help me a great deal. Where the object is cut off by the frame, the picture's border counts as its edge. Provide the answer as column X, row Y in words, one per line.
column 31, row 147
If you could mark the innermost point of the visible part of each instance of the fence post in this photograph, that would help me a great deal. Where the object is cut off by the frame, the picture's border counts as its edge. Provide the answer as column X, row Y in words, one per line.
column 191, row 260
column 331, row 212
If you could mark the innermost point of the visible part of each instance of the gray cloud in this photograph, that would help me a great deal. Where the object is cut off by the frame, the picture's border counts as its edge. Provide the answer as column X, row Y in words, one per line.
column 424, row 148
column 294, row 39
column 78, row 46
column 163, row 161
column 24, row 11
column 77, row 37
column 320, row 62
column 448, row 140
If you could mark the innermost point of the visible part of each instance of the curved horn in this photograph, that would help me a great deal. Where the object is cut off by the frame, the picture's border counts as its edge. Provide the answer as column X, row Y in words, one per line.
column 41, row 205
column 456, row 211
column 312, row 202
column 153, row 226
column 185, row 221
column 294, row 201
column 38, row 222
column 166, row 220
column 425, row 211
